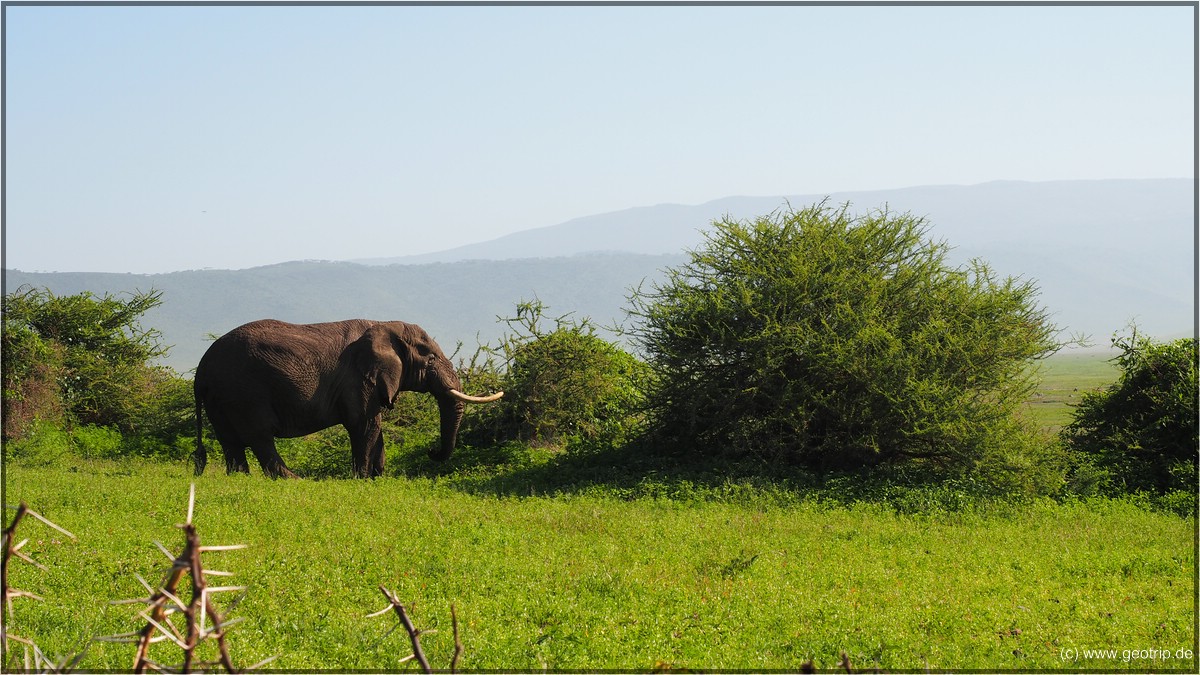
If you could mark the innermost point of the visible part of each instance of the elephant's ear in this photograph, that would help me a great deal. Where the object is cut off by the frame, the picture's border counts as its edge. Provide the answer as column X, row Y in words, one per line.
column 374, row 356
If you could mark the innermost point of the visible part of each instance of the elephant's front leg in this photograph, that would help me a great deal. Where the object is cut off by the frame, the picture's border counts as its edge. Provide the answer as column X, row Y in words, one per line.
column 375, row 456
column 366, row 448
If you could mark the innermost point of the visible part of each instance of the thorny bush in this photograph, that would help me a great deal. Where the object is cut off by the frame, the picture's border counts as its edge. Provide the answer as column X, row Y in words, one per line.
column 1140, row 433
column 563, row 385
column 841, row 342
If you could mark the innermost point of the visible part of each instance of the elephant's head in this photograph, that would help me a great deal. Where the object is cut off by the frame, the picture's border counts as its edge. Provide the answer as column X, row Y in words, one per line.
column 396, row 356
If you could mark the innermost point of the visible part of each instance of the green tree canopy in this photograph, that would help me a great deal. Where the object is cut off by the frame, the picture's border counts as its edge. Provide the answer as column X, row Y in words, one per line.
column 839, row 341
column 85, row 357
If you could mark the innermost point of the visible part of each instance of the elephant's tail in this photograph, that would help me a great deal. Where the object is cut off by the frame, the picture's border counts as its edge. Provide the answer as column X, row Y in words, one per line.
column 200, row 456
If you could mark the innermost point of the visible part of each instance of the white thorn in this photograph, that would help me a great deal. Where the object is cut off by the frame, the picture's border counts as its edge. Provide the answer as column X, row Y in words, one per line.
column 230, row 547
column 381, row 612
column 191, row 502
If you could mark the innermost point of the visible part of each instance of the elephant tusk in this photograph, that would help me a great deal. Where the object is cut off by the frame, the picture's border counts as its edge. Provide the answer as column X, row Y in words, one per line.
column 456, row 394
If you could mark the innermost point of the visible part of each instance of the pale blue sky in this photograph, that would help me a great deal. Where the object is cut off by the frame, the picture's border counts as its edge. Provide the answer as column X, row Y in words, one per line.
column 152, row 139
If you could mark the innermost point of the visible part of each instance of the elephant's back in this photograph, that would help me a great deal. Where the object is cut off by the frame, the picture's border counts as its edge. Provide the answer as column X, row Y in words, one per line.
column 279, row 345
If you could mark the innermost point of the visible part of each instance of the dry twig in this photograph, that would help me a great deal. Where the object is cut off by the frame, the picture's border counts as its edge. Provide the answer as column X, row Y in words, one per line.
column 414, row 635
column 458, row 645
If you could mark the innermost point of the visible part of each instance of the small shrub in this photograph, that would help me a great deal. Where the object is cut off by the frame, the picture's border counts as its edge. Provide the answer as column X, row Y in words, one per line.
column 162, row 407
column 1019, row 462
column 93, row 442
column 565, row 386
column 1140, row 433
column 413, row 424
column 42, row 444
column 151, row 447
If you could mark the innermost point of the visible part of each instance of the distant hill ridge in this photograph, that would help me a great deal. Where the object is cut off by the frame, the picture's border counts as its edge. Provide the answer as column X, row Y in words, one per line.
column 1102, row 252
column 1057, row 212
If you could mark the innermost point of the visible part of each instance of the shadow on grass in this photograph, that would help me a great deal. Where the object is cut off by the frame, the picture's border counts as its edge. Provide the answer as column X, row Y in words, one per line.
column 516, row 470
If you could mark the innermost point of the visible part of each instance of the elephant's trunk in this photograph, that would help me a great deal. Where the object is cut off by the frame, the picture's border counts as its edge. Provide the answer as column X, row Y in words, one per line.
column 452, row 413
column 451, row 402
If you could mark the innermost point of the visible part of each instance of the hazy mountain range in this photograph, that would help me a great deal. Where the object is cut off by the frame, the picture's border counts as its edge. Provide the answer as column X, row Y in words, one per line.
column 1103, row 253
column 1147, row 214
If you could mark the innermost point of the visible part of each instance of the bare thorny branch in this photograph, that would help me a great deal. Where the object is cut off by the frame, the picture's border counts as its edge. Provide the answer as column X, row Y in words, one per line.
column 165, row 601
column 414, row 635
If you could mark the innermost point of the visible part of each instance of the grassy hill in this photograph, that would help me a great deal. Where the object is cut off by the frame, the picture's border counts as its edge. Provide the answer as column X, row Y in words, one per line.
column 461, row 301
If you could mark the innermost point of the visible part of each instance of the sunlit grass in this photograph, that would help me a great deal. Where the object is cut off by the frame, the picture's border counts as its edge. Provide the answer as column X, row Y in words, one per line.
column 588, row 581
column 1066, row 377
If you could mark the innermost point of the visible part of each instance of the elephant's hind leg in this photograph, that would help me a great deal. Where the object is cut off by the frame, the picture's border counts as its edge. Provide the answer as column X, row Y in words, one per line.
column 235, row 458
column 232, row 445
column 235, row 454
column 269, row 459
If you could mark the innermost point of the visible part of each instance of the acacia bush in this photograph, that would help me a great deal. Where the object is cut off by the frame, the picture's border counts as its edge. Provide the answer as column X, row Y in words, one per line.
column 840, row 341
column 32, row 371
column 562, row 386
column 82, row 360
column 1140, row 433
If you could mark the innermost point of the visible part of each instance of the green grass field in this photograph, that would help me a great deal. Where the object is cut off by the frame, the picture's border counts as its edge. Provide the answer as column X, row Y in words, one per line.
column 1066, row 377
column 569, row 565
column 573, row 582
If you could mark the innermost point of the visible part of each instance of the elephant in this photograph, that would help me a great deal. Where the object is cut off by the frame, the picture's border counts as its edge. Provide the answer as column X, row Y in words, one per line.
column 269, row 379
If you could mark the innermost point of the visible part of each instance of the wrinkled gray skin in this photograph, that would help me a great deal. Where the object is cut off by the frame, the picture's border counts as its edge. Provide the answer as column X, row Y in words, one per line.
column 269, row 379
